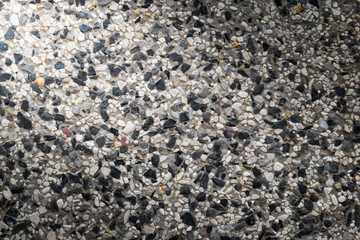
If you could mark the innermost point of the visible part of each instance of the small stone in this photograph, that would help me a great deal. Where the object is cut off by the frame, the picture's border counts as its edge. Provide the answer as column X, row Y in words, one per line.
column 130, row 127
column 185, row 67
column 160, row 85
column 269, row 176
column 24, row 122
column 4, row 77
column 51, row 235
column 3, row 46
column 334, row 200
column 29, row 68
column 243, row 94
column 103, row 2
column 175, row 57
column 40, row 81
column 34, row 218
column 323, row 124
column 59, row 65
column 23, row 19
column 278, row 166
column 84, row 28
column 36, row 88
column 188, row 219
column 9, row 34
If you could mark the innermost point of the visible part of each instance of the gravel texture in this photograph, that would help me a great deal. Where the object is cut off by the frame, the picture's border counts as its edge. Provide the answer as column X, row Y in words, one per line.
column 180, row 119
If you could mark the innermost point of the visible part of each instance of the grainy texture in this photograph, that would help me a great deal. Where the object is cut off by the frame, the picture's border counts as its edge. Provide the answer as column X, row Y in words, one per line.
column 179, row 119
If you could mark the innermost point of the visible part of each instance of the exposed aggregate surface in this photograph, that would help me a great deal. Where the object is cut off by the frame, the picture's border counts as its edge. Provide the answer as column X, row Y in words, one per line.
column 179, row 119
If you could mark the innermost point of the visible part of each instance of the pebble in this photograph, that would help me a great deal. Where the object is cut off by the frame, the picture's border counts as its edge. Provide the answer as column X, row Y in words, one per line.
column 34, row 218
column 278, row 166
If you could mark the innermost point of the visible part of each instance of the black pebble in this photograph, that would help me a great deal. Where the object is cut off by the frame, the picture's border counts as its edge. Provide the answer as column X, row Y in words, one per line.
column 188, row 219
column 160, row 85
column 185, row 67
column 175, row 57
column 24, row 122
column 218, row 182
column 302, row 188
column 18, row 57
column 185, row 190
column 258, row 89
column 59, row 65
column 147, row 76
column 114, row 172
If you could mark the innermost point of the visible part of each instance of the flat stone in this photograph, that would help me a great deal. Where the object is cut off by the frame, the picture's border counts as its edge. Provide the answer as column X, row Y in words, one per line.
column 269, row 176
column 103, row 2
column 29, row 68
column 34, row 218
column 278, row 166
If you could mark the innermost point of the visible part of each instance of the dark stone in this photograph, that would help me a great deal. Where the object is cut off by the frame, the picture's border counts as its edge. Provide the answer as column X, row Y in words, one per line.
column 139, row 56
column 256, row 171
column 8, row 62
column 308, row 204
column 4, row 77
column 3, row 46
column 98, row 46
column 242, row 135
column 19, row 227
column 24, row 122
column 171, row 142
column 314, row 3
column 147, row 76
column 257, row 183
column 327, row 223
column 100, row 141
column 116, row 91
column 184, row 117
column 28, row 144
column 250, row 220
column 280, row 124
column 36, row 88
column 114, row 172
column 333, row 167
column 9, row 34
column 188, row 219
column 340, row 91
column 211, row 212
column 160, row 85
column 218, row 182
column 201, row 197
column 258, row 89
column 170, row 123
column 204, row 180
column 185, row 67
column 46, row 116
column 3, row 91
column 59, row 65
column 144, row 217
column 302, row 188
column 357, row 215
column 84, row 28
column 185, row 190
column 250, row 45
column 356, row 128
column 150, row 173
column 175, row 57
